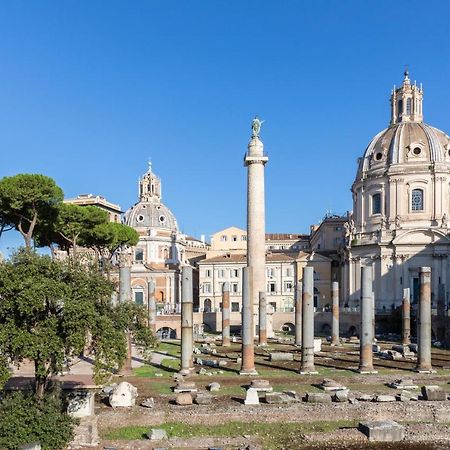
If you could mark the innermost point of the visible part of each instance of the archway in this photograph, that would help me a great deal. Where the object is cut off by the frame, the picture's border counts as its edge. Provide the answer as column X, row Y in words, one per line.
column 166, row 333
column 207, row 305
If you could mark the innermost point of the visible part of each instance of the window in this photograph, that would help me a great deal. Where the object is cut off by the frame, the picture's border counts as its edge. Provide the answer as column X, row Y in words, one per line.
column 273, row 305
column 223, row 238
column 235, row 273
column 316, row 276
column 408, row 106
column 207, row 288
column 338, row 229
column 207, row 273
column 243, row 237
column 139, row 254
column 417, row 200
column 234, row 288
column 376, row 204
column 221, row 273
column 235, row 306
column 316, row 297
column 270, row 272
column 288, row 286
column 139, row 297
column 400, row 109
column 207, row 305
column 288, row 272
column 234, row 238
column 271, row 287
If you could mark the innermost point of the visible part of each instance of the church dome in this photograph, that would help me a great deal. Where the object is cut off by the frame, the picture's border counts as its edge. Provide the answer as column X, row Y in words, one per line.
column 408, row 140
column 154, row 215
column 150, row 212
column 405, row 143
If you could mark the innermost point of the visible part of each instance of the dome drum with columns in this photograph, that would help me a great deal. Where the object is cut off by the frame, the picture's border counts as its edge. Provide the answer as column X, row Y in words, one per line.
column 401, row 205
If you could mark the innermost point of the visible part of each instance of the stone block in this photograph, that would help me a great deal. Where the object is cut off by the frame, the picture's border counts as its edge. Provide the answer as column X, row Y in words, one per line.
column 279, row 397
column 382, row 430
column 413, row 347
column 364, row 397
column 317, row 345
column 433, row 393
column 157, row 434
column 261, row 385
column 185, row 386
column 214, row 387
column 403, row 383
column 203, row 398
column 294, row 395
column 376, row 348
column 80, row 403
column 123, row 395
column 318, row 397
column 281, row 356
column 406, row 396
column 340, row 396
column 331, row 385
column 382, row 398
column 147, row 403
column 251, row 397
column 184, row 399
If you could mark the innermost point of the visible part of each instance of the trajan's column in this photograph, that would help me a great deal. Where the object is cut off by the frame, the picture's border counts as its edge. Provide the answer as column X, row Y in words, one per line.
column 255, row 160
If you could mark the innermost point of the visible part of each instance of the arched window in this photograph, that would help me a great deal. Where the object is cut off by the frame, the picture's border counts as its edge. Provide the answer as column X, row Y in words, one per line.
column 138, row 295
column 376, row 204
column 408, row 106
column 207, row 305
column 417, row 200
column 400, row 109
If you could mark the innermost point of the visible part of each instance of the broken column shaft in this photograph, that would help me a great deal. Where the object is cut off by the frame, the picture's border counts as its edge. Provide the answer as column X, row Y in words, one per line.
column 307, row 365
column 366, row 312
column 262, row 319
column 248, row 345
column 335, row 313
column 406, row 318
column 186, row 321
column 424, row 322
column 226, row 315
column 125, row 296
column 298, row 313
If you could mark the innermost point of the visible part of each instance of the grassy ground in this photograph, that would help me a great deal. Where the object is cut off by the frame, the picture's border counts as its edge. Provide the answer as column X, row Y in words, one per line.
column 272, row 435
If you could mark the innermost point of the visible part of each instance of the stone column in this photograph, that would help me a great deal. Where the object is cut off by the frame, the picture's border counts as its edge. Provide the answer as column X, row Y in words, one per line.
column 298, row 313
column 307, row 366
column 255, row 160
column 406, row 317
column 366, row 312
column 248, row 350
column 151, row 305
column 124, row 284
column 424, row 323
column 335, row 313
column 186, row 321
column 226, row 315
column 262, row 319
column 125, row 296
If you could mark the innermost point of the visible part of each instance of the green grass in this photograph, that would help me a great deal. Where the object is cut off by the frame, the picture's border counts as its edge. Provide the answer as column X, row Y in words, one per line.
column 272, row 435
column 167, row 368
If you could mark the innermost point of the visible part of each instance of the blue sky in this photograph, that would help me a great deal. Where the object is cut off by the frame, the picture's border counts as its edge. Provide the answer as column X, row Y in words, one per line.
column 89, row 90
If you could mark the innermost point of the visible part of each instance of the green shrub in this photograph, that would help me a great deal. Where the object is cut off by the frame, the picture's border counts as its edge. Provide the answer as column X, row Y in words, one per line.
column 23, row 419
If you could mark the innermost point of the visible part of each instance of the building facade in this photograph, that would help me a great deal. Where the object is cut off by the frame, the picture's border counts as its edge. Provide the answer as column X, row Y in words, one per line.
column 401, row 207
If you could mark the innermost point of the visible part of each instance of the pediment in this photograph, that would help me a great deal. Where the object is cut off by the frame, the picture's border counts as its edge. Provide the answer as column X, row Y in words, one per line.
column 422, row 236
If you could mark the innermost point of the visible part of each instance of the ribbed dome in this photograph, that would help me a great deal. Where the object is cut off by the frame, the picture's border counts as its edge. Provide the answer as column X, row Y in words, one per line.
column 150, row 214
column 405, row 143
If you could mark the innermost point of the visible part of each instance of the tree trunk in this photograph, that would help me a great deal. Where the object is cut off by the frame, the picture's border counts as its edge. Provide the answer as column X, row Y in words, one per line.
column 40, row 381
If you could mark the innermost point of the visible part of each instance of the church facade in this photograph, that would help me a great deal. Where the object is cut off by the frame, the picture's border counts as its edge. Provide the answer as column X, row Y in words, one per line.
column 401, row 208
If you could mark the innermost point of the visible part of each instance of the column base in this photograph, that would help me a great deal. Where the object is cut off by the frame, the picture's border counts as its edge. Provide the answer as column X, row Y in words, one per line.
column 248, row 372
column 186, row 371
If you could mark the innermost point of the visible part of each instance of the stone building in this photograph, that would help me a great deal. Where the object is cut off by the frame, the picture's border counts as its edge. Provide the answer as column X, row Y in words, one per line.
column 283, row 270
column 401, row 207
column 114, row 211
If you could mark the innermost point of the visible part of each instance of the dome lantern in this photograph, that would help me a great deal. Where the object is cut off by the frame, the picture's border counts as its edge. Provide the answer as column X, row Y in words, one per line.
column 406, row 102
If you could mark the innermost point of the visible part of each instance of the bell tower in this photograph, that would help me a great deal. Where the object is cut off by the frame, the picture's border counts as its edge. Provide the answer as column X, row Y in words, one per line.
column 406, row 102
column 149, row 186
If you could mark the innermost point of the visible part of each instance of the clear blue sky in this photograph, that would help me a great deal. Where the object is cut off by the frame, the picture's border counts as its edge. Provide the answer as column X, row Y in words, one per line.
column 90, row 89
